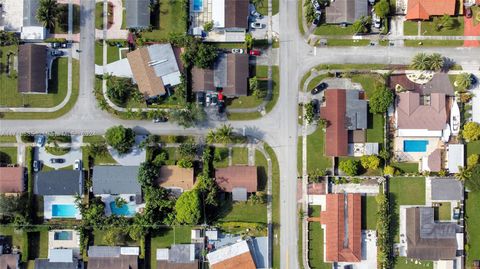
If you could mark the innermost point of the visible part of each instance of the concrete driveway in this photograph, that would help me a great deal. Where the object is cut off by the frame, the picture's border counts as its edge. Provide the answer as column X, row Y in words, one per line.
column 135, row 157
column 75, row 153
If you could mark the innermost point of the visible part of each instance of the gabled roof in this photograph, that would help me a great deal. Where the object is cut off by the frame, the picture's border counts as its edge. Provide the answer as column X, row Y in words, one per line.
column 423, row 9
column 346, row 11
column 233, row 256
column 59, row 182
column 138, row 13
column 336, row 141
column 237, row 74
column 427, row 239
column 102, row 257
column 237, row 176
column 11, row 179
column 343, row 229
column 32, row 68
column 30, row 8
column 440, row 83
column 173, row 176
column 58, row 259
column 202, row 79
column 236, row 14
column 412, row 115
column 115, row 179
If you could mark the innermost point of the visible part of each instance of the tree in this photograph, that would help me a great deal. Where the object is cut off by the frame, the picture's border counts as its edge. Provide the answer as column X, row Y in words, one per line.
column 370, row 162
column 225, row 134
column 248, row 41
column 463, row 81
column 211, row 137
column 208, row 26
column 419, row 61
column 349, row 167
column 120, row 202
column 380, row 100
column 208, row 189
column 471, row 131
column 435, row 62
column 309, row 112
column 446, row 21
column 47, row 13
column 147, row 174
column 189, row 116
column 187, row 208
column 119, row 90
column 463, row 174
column 92, row 213
column 159, row 206
column 309, row 11
column 114, row 236
column 188, row 150
column 389, row 170
column 362, row 25
column 382, row 9
column 473, row 181
column 185, row 163
column 96, row 149
column 205, row 55
column 472, row 160
column 255, row 90
column 384, row 233
column 316, row 175
column 120, row 138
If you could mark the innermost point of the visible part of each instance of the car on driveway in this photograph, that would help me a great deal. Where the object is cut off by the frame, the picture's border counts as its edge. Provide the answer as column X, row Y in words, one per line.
column 257, row 25
column 237, row 51
column 37, row 165
column 256, row 14
column 159, row 119
column 320, row 87
column 77, row 165
column 56, row 53
column 40, row 141
column 255, row 52
column 468, row 12
column 55, row 45
column 316, row 106
column 57, row 160
column 316, row 21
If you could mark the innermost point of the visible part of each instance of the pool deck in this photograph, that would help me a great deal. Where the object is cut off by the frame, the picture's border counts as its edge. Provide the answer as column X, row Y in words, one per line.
column 199, row 18
column 73, row 244
column 107, row 199
column 49, row 201
column 402, row 156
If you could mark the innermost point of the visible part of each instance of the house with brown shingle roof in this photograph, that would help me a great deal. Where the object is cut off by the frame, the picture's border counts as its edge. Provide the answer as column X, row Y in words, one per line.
column 155, row 69
column 230, row 20
column 11, row 180
column 32, row 69
column 176, row 178
column 238, row 179
column 104, row 257
column 237, row 255
column 423, row 9
column 421, row 116
column 342, row 219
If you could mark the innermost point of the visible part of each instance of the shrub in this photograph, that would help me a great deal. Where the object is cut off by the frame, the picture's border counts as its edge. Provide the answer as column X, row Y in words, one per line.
column 471, row 131
column 472, row 160
column 370, row 162
column 349, row 167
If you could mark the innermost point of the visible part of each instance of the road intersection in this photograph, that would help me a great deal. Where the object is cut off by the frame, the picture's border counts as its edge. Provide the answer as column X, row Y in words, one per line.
column 278, row 128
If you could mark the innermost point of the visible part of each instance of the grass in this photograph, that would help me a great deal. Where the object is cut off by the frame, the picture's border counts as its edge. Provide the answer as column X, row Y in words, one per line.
column 433, row 43
column 112, row 53
column 38, row 243
column 406, row 167
column 275, row 205
column 243, row 212
column 315, row 152
column 239, row 156
column 58, row 151
column 362, row 171
column 62, row 82
column 300, row 17
column 315, row 247
column 408, row 190
column 262, row 7
column 369, row 82
column 347, row 42
column 104, row 159
column 167, row 237
column 331, row 29
column 99, row 239
column 375, row 128
column 405, row 263
column 473, row 148
column 8, row 155
column 249, row 101
column 472, row 211
column 8, row 139
column 61, row 27
column 314, row 82
column 428, row 28
column 410, row 28
column 369, row 212
column 262, row 168
column 443, row 212
column 168, row 20
column 93, row 139
column 99, row 15
column 223, row 153
column 17, row 237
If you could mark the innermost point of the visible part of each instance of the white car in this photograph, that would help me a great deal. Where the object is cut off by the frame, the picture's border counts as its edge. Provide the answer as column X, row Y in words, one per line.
column 257, row 25
column 77, row 165
column 237, row 51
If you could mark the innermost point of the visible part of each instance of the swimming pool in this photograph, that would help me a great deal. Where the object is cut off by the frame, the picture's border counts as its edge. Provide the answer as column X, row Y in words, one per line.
column 197, row 5
column 64, row 211
column 415, row 145
column 63, row 235
column 125, row 210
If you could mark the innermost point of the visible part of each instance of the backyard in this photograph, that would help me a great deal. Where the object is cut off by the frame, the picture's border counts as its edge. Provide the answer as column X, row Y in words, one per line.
column 405, row 263
column 165, row 237
column 406, row 167
column 472, row 217
column 166, row 19
column 8, row 155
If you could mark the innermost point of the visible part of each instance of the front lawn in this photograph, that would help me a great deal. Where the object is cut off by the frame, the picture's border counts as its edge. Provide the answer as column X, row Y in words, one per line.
column 166, row 237
column 404, row 168
column 262, row 7
column 406, row 263
column 112, row 53
column 410, row 28
column 370, row 82
column 314, row 82
column 433, row 43
column 98, row 160
column 166, row 20
column 239, row 156
column 407, row 191
column 472, row 212
column 99, row 15
column 315, row 246
column 8, row 139
column 8, row 155
column 61, row 27
column 242, row 212
column 347, row 42
column 221, row 157
column 331, row 29
column 316, row 158
column 93, row 139
column 427, row 28
column 262, row 169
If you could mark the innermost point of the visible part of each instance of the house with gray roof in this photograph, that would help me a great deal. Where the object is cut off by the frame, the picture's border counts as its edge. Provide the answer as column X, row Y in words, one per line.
column 58, row 259
column 178, row 256
column 138, row 14
column 446, row 189
column 32, row 29
column 345, row 11
column 104, row 257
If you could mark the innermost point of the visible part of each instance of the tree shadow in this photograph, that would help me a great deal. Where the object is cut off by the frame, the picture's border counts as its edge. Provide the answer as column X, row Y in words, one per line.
column 5, row 158
column 262, row 178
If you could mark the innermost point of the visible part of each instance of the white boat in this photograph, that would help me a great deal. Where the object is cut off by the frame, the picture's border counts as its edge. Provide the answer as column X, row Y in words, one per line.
column 446, row 134
column 455, row 118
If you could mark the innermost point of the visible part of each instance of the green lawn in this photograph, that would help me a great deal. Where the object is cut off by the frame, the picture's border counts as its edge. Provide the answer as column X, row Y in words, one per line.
column 444, row 211
column 314, row 82
column 410, row 28
column 242, row 212
column 315, row 247
column 369, row 212
column 262, row 169
column 249, row 101
column 315, row 152
column 112, row 54
column 222, row 154
column 167, row 20
column 8, row 155
column 99, row 15
column 406, row 167
column 347, row 42
column 239, row 156
column 8, row 139
column 428, row 28
column 473, row 147
column 99, row 239
column 370, row 82
column 56, row 87
column 405, row 263
column 99, row 160
column 375, row 128
column 38, row 243
column 167, row 237
column 331, row 29
column 16, row 237
column 93, row 139
column 262, row 7
column 407, row 190
column 472, row 211
column 300, row 17
column 61, row 27
column 275, row 206
column 433, row 43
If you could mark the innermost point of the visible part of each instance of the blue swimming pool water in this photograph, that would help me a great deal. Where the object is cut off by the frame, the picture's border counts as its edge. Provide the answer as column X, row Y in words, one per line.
column 63, row 235
column 125, row 210
column 64, row 211
column 197, row 5
column 415, row 145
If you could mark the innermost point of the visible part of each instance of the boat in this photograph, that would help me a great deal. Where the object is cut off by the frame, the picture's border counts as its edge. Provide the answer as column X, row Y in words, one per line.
column 446, row 134
column 455, row 118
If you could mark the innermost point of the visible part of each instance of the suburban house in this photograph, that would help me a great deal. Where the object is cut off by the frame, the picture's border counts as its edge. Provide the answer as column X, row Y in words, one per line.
column 10, row 261
column 230, row 74
column 12, row 180
column 346, row 114
column 58, row 258
column 438, row 83
column 455, row 157
column 342, row 221
column 103, row 257
column 32, row 69
column 178, row 256
column 316, row 193
column 175, row 178
column 229, row 17
column 32, row 30
column 138, row 14
column 59, row 189
column 155, row 69
column 238, row 180
column 113, row 182
column 423, row 9
column 65, row 239
column 345, row 11
column 237, row 255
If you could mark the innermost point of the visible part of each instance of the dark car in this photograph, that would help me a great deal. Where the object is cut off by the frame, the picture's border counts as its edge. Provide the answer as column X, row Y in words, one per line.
column 37, row 165
column 160, row 119
column 468, row 12
column 316, row 106
column 57, row 160
column 56, row 53
column 320, row 87
column 55, row 45
column 201, row 98
column 64, row 45
column 316, row 21
column 473, row 80
column 221, row 107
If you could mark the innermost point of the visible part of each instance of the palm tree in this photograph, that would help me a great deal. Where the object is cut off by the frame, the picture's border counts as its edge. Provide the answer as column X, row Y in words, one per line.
column 47, row 13
column 463, row 174
column 211, row 137
column 102, row 104
column 435, row 62
column 419, row 61
column 129, row 113
column 463, row 81
column 225, row 134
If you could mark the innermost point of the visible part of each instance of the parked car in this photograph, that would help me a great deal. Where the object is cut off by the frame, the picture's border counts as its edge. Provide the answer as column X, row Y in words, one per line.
column 40, row 141
column 255, row 52
column 37, row 165
column 208, row 99
column 456, row 213
column 316, row 5
column 77, row 165
column 214, row 100
column 377, row 22
column 468, row 12
column 372, row 2
column 159, row 119
column 221, row 107
column 256, row 14
column 473, row 80
column 64, row 45
column 320, row 87
column 56, row 53
column 316, row 106
column 201, row 98
column 316, row 21
column 237, row 51
column 57, row 160
column 257, row 25
column 55, row 45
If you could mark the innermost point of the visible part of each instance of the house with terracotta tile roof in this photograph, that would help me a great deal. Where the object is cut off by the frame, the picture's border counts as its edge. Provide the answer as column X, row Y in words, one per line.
column 238, row 180
column 424, row 9
column 342, row 221
column 12, row 180
column 237, row 255
column 175, row 178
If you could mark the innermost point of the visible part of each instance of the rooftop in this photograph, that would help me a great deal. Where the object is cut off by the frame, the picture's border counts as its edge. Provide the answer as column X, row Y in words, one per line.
column 412, row 114
column 423, row 9
column 455, row 157
column 233, row 256
column 115, row 179
column 346, row 11
column 179, row 256
column 59, row 182
column 11, row 179
column 9, row 261
column 138, row 13
column 445, row 189
column 237, row 177
column 30, row 13
column 101, row 257
column 440, row 83
column 32, row 68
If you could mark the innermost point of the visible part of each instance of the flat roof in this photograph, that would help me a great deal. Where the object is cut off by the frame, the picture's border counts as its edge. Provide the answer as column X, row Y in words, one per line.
column 455, row 157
